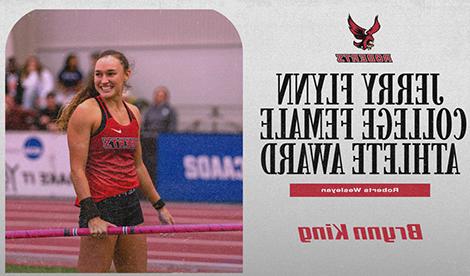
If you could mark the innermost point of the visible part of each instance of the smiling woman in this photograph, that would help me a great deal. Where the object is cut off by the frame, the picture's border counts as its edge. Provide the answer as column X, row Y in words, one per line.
column 109, row 78
column 106, row 168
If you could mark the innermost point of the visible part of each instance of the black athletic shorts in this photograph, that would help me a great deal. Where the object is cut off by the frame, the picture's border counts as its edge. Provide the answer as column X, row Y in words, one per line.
column 121, row 210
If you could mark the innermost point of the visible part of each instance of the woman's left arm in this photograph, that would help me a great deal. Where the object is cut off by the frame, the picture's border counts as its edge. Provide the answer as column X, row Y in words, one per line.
column 146, row 183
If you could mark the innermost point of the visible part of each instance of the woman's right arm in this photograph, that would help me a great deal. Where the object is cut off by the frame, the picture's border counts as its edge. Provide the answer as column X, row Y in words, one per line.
column 78, row 138
column 79, row 131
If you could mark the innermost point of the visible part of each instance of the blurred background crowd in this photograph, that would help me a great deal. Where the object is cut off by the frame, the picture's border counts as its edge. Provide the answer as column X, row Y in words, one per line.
column 34, row 96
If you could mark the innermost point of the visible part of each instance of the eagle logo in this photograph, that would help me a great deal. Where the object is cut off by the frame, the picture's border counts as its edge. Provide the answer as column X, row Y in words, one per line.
column 367, row 40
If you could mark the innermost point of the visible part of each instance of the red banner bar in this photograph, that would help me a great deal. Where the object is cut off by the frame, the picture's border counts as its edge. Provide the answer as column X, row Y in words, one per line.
column 360, row 190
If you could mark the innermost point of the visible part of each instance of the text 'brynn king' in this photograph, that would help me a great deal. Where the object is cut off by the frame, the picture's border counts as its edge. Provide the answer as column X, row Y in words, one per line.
column 387, row 234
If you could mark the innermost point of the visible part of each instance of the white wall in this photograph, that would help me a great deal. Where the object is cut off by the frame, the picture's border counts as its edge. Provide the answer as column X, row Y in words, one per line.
column 196, row 53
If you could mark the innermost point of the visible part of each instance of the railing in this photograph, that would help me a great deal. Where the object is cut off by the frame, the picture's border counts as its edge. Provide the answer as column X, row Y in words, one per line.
column 210, row 118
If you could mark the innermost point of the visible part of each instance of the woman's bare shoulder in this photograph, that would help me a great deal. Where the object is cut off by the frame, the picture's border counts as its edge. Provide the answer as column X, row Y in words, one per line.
column 88, row 106
column 88, row 112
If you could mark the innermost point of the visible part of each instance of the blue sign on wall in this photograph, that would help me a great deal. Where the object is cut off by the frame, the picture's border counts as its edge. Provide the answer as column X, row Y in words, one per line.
column 33, row 148
column 200, row 167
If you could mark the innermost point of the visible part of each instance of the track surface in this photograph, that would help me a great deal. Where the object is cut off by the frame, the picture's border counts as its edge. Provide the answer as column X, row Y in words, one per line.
column 183, row 252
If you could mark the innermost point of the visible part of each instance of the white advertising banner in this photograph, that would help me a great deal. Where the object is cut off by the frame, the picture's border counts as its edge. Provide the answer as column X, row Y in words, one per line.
column 36, row 164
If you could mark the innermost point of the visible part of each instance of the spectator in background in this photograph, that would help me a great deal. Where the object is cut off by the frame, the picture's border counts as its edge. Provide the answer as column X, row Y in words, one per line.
column 160, row 117
column 12, row 81
column 49, row 114
column 37, row 82
column 17, row 118
column 93, row 58
column 69, row 79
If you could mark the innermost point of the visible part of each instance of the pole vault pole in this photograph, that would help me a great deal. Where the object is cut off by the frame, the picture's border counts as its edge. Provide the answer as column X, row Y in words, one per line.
column 123, row 230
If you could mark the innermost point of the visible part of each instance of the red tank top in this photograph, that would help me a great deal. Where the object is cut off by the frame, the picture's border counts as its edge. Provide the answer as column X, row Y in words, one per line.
column 110, row 168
